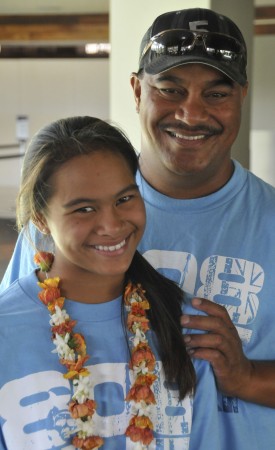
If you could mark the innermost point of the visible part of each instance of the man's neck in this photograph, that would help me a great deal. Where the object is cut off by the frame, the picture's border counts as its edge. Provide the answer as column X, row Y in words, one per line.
column 185, row 186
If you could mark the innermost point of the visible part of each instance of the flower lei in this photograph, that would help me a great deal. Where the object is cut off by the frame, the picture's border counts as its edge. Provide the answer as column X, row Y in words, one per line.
column 71, row 350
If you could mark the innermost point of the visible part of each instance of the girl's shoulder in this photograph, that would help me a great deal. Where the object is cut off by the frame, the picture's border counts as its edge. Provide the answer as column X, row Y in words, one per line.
column 13, row 297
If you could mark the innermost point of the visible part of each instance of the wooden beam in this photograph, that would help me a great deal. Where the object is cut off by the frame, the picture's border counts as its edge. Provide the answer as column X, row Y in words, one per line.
column 264, row 22
column 264, row 29
column 73, row 28
column 265, row 12
column 87, row 27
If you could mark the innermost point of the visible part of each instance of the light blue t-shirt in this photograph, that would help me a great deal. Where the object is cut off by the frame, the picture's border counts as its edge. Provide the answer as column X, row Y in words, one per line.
column 221, row 247
column 34, row 395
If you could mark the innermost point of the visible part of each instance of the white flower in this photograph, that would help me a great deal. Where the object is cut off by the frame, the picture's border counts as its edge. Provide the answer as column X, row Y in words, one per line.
column 60, row 316
column 85, row 428
column 139, row 337
column 141, row 409
column 62, row 348
column 140, row 369
column 82, row 389
column 135, row 298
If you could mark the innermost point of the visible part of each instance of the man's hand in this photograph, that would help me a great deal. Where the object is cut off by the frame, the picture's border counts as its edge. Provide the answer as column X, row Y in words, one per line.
column 236, row 376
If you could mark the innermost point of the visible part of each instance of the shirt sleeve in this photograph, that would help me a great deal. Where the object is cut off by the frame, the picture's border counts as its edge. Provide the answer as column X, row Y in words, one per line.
column 21, row 262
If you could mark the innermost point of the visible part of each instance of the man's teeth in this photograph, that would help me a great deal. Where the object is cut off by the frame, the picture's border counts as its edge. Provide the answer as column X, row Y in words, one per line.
column 112, row 248
column 188, row 138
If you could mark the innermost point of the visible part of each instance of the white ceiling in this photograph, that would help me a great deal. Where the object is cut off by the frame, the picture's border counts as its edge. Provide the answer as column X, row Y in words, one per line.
column 54, row 6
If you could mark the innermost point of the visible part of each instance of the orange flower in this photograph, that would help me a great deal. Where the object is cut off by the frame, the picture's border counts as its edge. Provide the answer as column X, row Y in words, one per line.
column 141, row 422
column 137, row 309
column 128, row 291
column 88, row 443
column 63, row 328
column 76, row 373
column 141, row 392
column 143, row 353
column 75, row 368
column 139, row 431
column 48, row 295
column 78, row 410
column 44, row 260
column 145, row 379
column 132, row 291
column 142, row 321
column 78, row 344
column 49, row 283
column 57, row 302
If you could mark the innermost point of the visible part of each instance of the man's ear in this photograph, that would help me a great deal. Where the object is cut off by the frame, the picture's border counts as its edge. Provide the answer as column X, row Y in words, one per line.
column 41, row 224
column 244, row 91
column 136, row 86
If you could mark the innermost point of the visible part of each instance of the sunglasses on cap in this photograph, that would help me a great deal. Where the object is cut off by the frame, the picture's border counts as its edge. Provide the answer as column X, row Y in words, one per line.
column 178, row 42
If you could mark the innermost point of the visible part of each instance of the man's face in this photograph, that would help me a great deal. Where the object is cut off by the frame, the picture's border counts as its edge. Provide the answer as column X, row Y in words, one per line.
column 190, row 117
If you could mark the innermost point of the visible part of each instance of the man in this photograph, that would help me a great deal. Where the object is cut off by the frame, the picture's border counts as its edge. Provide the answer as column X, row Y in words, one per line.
column 209, row 221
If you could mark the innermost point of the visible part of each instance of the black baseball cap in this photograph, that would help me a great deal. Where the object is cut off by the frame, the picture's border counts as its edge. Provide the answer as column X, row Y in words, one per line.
column 220, row 44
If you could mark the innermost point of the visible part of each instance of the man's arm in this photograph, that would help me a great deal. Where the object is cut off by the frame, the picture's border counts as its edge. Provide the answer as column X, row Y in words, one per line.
column 237, row 376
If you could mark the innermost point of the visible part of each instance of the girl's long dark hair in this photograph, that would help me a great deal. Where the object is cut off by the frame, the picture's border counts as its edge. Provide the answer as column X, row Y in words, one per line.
column 166, row 300
column 53, row 146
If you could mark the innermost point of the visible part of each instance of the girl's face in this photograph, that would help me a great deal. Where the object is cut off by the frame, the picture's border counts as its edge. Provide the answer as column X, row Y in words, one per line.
column 96, row 217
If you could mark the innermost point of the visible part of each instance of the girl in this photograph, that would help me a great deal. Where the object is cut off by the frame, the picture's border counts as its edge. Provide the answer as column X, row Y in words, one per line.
column 91, row 343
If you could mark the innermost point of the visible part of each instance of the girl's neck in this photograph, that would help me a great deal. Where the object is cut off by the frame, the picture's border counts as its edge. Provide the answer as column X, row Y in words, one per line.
column 86, row 287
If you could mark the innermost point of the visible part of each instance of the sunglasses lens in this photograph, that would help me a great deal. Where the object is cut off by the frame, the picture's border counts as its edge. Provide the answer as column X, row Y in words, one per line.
column 173, row 43
column 222, row 46
column 179, row 42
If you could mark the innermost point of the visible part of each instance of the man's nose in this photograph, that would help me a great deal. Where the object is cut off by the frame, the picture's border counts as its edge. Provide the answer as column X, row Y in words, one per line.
column 192, row 111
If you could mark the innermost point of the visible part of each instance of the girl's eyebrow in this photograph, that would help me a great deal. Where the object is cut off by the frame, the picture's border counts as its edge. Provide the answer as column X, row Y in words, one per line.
column 79, row 200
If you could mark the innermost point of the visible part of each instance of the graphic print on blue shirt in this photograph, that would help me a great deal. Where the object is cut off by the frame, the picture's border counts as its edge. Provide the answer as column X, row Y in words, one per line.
column 36, row 406
column 231, row 282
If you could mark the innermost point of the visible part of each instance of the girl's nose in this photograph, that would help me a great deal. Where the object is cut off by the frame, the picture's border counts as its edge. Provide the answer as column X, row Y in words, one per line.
column 109, row 222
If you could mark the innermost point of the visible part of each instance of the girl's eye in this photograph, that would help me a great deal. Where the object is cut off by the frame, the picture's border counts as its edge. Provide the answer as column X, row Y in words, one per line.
column 124, row 199
column 85, row 209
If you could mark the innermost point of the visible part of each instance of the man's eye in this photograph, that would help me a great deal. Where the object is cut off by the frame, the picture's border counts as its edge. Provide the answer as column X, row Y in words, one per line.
column 172, row 94
column 170, row 91
column 217, row 95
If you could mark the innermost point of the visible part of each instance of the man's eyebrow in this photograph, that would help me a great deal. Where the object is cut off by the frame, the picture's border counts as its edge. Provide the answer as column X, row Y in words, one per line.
column 221, row 81
column 80, row 200
column 166, row 77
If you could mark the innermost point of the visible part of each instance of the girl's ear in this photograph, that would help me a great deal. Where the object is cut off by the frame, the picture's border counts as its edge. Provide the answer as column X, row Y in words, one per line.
column 41, row 224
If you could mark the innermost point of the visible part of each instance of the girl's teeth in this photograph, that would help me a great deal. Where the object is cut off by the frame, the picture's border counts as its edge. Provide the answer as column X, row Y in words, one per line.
column 112, row 248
